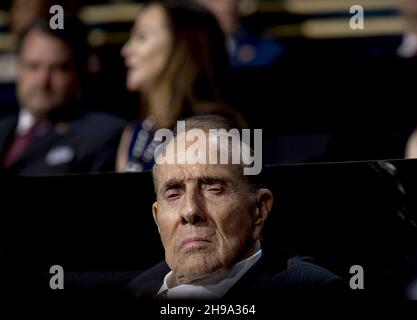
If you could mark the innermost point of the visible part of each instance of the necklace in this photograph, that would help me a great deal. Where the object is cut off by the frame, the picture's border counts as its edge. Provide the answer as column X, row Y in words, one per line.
column 141, row 151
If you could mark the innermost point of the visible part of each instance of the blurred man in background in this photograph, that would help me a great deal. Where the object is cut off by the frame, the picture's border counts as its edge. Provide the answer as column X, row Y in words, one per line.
column 52, row 133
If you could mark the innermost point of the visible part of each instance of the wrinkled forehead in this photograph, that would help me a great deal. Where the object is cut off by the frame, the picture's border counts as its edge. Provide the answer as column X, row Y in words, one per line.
column 214, row 146
column 186, row 173
column 212, row 158
column 194, row 172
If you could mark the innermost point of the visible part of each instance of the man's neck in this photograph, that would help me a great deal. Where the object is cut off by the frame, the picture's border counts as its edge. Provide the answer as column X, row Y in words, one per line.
column 213, row 285
column 176, row 280
column 161, row 108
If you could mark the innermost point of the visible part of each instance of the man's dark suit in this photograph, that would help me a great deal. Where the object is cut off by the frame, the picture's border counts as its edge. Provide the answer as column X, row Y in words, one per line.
column 86, row 143
column 281, row 275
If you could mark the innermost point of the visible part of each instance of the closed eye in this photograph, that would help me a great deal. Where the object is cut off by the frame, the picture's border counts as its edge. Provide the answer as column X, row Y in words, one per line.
column 172, row 194
column 32, row 66
column 216, row 189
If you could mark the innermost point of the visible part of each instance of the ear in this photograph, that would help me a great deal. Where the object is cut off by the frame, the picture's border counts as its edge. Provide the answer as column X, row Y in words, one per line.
column 155, row 213
column 264, row 201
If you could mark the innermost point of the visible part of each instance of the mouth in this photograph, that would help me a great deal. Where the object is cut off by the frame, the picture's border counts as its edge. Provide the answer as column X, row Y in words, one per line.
column 194, row 242
column 41, row 95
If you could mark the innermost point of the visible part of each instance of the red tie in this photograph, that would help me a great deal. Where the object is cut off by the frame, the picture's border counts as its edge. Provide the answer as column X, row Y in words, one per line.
column 20, row 144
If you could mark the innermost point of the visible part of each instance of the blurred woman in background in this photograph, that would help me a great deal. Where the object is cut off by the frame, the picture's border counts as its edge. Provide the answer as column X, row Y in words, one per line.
column 176, row 59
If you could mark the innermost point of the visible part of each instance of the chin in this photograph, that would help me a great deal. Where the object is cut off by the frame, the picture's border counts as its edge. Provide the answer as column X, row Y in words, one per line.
column 134, row 83
column 40, row 110
column 199, row 266
column 131, row 86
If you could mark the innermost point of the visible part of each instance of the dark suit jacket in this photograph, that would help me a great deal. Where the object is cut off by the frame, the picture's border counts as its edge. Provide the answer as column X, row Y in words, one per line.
column 87, row 143
column 281, row 275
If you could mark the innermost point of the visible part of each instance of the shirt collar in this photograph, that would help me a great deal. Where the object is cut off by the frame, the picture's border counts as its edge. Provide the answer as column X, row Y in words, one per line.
column 25, row 122
column 213, row 287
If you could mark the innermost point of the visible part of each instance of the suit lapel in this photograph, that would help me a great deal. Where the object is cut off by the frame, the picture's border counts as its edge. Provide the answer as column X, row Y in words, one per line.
column 39, row 147
column 260, row 275
column 255, row 277
column 146, row 286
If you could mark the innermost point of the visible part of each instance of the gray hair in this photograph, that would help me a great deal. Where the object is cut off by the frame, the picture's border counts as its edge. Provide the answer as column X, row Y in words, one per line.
column 219, row 122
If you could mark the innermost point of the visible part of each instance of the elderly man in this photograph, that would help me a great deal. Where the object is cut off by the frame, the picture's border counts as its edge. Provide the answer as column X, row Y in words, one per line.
column 52, row 133
column 210, row 217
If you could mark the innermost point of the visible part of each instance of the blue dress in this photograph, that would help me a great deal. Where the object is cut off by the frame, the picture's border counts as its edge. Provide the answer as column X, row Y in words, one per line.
column 142, row 148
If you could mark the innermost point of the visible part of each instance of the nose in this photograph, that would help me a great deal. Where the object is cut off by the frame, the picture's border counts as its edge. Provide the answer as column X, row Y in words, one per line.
column 44, row 77
column 125, row 48
column 194, row 210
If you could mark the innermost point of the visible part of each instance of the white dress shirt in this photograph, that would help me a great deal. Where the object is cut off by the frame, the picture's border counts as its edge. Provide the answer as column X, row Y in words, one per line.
column 25, row 122
column 214, row 287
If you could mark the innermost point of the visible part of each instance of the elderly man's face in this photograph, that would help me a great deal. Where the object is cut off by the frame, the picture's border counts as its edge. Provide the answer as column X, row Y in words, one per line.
column 47, row 77
column 207, row 217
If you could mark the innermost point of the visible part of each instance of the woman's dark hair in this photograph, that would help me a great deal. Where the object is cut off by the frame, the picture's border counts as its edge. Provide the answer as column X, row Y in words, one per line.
column 198, row 65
